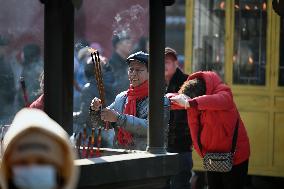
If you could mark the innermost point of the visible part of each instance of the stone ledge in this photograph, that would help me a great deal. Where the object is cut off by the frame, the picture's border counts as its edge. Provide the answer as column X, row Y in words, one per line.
column 127, row 170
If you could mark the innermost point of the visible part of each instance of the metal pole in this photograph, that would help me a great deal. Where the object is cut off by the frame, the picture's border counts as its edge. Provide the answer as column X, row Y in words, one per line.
column 156, row 136
column 58, row 61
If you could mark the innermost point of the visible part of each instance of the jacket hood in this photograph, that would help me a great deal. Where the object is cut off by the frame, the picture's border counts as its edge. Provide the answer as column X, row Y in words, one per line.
column 29, row 121
column 212, row 80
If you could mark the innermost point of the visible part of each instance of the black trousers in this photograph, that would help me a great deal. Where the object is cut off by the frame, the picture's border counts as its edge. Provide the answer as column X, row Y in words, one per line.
column 182, row 179
column 235, row 179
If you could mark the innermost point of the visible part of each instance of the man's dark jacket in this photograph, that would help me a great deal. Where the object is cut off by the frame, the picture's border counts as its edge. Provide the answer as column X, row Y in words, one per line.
column 179, row 139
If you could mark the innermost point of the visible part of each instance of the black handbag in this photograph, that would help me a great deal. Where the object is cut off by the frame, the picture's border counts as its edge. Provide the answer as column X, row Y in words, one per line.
column 219, row 162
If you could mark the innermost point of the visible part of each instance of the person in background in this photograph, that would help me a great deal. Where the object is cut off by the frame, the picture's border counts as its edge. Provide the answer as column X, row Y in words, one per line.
column 90, row 91
column 32, row 67
column 80, row 52
column 128, row 114
column 278, row 7
column 142, row 45
column 213, row 118
column 37, row 154
column 179, row 140
column 7, row 86
column 122, row 46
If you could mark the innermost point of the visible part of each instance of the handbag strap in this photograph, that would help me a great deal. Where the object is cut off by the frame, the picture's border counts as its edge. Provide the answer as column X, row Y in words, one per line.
column 235, row 137
column 234, row 141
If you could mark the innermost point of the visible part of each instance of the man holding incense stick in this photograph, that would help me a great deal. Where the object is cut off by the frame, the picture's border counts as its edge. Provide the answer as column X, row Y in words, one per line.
column 128, row 114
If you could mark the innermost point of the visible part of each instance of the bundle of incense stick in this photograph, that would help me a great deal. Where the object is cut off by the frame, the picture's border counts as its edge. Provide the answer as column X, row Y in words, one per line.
column 92, row 143
column 78, row 144
column 98, row 74
column 24, row 91
column 93, row 136
column 88, row 154
column 100, row 85
column 98, row 153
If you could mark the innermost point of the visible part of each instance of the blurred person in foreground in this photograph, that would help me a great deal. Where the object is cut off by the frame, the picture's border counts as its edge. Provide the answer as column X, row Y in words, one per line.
column 213, row 118
column 37, row 154
column 128, row 113
column 122, row 46
column 179, row 140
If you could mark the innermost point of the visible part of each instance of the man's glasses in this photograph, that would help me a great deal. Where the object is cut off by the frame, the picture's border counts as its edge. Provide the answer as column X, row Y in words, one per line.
column 133, row 70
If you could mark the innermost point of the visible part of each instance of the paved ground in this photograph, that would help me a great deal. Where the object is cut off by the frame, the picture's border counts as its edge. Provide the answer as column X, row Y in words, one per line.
column 253, row 182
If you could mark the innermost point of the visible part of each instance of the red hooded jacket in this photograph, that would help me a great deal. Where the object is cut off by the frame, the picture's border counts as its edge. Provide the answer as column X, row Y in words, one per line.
column 218, row 119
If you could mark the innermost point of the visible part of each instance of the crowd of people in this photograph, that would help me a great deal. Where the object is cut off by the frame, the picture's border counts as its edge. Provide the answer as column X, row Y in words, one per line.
column 21, row 69
column 19, row 73
column 199, row 113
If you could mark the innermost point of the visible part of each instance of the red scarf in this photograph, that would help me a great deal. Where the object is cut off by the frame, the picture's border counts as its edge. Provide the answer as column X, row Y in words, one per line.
column 134, row 94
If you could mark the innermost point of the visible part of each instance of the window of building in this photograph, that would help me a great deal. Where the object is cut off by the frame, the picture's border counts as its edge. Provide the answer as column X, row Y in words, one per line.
column 249, row 58
column 209, row 36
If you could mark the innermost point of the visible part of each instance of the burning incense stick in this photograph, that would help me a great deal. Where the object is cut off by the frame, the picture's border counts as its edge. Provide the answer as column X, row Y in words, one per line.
column 92, row 143
column 98, row 153
column 79, row 144
column 24, row 91
column 88, row 154
column 84, row 152
column 98, row 75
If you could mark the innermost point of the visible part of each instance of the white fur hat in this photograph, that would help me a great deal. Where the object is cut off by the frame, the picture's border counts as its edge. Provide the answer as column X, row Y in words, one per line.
column 33, row 133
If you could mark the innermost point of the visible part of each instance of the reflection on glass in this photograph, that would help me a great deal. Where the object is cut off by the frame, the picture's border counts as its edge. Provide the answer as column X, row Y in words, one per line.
column 281, row 54
column 21, row 55
column 175, row 27
column 249, row 57
column 116, row 32
column 208, row 36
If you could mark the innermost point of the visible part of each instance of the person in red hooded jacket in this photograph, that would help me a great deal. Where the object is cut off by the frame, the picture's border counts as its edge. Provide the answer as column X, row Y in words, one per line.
column 210, row 107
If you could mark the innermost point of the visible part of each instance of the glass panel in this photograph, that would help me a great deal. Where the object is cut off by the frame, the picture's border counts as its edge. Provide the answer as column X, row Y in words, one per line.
column 96, row 24
column 127, row 19
column 21, row 55
column 249, row 57
column 281, row 54
column 208, row 36
column 175, row 27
